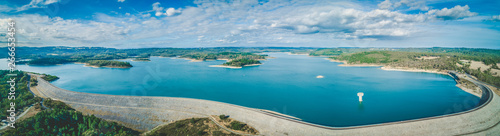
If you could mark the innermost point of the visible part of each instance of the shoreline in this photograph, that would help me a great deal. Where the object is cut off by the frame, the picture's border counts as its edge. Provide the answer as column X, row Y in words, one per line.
column 470, row 91
column 290, row 53
column 405, row 69
column 234, row 67
column 388, row 68
column 193, row 60
column 345, row 64
column 140, row 60
column 87, row 65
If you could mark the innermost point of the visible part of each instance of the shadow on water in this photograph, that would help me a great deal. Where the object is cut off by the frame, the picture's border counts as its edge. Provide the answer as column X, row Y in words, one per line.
column 361, row 107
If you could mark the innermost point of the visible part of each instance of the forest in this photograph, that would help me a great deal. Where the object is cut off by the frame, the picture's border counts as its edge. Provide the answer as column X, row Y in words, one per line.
column 109, row 63
column 326, row 52
column 23, row 99
column 241, row 62
column 223, row 55
column 63, row 120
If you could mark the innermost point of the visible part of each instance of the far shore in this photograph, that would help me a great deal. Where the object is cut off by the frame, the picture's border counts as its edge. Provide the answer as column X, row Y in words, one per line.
column 196, row 60
column 406, row 69
column 389, row 68
column 225, row 66
column 87, row 65
column 290, row 53
column 139, row 60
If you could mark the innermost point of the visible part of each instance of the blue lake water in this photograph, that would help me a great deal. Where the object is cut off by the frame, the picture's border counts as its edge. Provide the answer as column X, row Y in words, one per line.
column 285, row 84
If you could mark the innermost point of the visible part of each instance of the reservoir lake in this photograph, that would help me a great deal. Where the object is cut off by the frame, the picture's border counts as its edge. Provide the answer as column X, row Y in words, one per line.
column 286, row 84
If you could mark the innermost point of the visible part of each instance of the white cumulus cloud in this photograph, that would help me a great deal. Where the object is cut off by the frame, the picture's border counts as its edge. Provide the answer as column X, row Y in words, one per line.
column 457, row 12
column 172, row 11
column 159, row 11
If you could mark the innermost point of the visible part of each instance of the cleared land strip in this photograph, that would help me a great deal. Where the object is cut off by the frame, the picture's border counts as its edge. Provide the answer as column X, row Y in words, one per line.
column 147, row 112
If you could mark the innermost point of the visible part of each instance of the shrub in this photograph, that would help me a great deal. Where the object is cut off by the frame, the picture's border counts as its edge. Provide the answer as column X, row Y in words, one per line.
column 237, row 125
column 223, row 117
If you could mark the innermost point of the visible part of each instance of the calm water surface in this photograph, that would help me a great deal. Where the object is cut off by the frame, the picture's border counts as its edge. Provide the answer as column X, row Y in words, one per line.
column 286, row 84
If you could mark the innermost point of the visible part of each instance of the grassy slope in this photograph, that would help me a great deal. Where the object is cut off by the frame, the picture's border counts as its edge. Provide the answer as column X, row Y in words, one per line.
column 193, row 126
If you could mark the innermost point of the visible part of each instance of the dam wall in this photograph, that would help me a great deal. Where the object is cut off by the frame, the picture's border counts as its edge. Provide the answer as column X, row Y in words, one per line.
column 145, row 113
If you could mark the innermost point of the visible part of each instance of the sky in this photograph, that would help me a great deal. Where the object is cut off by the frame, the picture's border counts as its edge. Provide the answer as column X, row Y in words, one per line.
column 253, row 23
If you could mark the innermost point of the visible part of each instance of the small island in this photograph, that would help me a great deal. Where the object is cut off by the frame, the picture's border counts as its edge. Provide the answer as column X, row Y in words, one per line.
column 239, row 63
column 108, row 63
column 141, row 59
column 242, row 62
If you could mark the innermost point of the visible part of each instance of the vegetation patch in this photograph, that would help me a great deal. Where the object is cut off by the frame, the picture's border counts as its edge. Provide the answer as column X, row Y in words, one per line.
column 109, row 63
column 367, row 57
column 235, row 125
column 141, row 59
column 24, row 98
column 49, row 78
column 241, row 62
column 326, row 52
column 191, row 127
column 63, row 120
column 48, row 61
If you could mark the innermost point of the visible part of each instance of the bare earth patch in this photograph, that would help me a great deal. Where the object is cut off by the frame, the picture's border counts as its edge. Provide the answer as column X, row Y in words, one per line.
column 482, row 66
column 32, row 112
column 428, row 57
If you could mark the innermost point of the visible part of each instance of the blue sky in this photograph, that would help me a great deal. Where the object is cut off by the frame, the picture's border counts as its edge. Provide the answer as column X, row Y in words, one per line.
column 252, row 23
